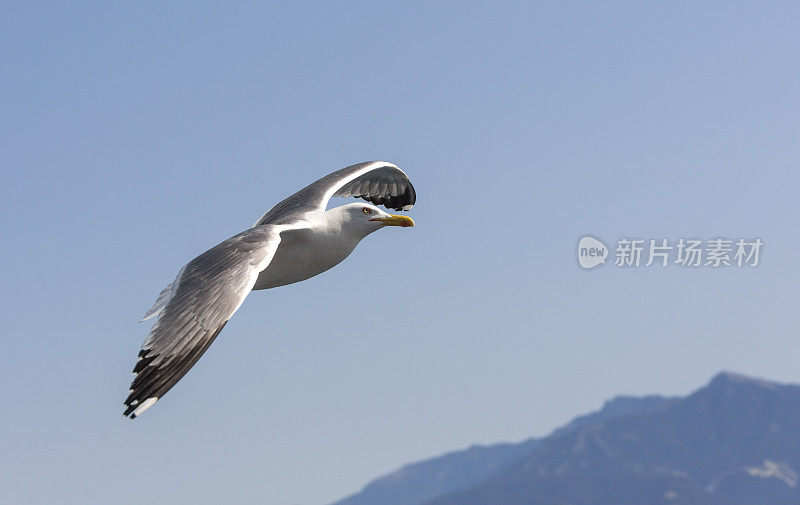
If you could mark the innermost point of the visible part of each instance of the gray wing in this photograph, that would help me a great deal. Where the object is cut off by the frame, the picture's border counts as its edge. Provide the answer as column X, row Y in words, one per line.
column 193, row 310
column 378, row 182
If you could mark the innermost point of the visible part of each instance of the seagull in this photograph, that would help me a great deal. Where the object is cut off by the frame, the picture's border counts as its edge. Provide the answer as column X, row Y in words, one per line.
column 293, row 241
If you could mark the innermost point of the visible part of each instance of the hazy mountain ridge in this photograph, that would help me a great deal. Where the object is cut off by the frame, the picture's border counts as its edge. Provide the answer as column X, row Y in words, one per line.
column 734, row 442
column 419, row 482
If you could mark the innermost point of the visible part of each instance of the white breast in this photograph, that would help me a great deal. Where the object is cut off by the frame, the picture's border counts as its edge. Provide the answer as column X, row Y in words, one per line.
column 305, row 253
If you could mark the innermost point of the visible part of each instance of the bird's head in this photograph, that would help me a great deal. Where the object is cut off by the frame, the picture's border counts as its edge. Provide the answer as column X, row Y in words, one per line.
column 369, row 218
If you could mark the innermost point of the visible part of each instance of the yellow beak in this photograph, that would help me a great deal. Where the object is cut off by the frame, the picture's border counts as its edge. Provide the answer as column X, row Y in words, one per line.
column 395, row 220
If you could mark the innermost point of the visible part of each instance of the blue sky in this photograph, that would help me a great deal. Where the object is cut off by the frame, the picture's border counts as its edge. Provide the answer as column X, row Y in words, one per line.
column 135, row 136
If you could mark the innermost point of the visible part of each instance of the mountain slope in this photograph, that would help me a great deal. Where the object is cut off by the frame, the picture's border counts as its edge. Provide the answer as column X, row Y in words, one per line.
column 419, row 482
column 734, row 442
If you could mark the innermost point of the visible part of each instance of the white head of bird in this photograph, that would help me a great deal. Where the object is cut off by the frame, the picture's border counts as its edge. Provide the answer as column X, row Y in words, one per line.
column 361, row 219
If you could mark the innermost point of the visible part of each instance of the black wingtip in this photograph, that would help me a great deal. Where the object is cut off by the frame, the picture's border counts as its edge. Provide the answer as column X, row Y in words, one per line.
column 144, row 360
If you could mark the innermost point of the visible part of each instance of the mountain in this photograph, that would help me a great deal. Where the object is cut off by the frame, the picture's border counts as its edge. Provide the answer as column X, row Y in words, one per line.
column 734, row 442
column 417, row 483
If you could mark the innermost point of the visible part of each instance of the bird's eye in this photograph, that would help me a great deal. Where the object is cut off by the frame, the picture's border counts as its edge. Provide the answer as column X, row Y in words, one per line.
column 366, row 210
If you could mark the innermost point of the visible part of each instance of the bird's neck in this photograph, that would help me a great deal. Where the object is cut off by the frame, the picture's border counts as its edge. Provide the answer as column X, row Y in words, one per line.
column 335, row 223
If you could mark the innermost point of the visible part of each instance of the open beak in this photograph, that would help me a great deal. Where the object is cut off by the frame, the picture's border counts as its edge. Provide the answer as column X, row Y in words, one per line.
column 395, row 220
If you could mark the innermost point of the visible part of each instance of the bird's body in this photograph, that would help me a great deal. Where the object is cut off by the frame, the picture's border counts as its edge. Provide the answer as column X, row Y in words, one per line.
column 295, row 240
column 306, row 252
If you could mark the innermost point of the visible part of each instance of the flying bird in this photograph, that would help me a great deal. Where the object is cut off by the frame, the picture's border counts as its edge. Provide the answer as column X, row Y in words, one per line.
column 295, row 240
